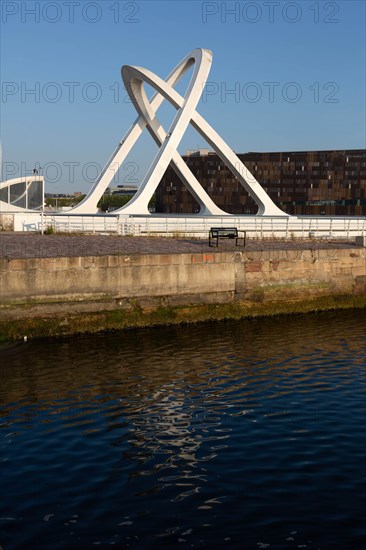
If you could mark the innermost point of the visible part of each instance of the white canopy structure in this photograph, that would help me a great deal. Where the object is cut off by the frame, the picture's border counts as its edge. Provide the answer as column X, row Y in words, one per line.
column 19, row 194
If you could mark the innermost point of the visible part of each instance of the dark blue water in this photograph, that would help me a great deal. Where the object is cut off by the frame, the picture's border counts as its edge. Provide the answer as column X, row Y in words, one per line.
column 241, row 435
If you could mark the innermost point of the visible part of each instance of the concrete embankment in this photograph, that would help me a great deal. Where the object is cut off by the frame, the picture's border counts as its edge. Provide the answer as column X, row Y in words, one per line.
column 64, row 295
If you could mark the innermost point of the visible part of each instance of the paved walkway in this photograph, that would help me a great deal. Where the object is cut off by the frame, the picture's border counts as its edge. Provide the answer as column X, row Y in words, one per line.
column 30, row 245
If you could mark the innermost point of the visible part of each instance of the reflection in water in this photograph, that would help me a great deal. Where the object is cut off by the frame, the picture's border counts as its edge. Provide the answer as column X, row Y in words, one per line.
column 244, row 434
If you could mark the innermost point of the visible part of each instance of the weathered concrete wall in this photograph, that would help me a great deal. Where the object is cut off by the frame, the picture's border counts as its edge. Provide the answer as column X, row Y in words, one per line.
column 151, row 289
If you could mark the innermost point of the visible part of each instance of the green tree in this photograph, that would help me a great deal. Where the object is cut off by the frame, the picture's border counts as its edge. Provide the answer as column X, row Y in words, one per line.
column 117, row 201
column 63, row 201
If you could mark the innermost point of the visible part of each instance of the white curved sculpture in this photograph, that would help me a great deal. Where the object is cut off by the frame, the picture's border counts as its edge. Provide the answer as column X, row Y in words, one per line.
column 168, row 142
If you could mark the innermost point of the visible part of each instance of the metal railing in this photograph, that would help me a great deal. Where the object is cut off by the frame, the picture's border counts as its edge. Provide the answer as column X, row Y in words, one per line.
column 191, row 226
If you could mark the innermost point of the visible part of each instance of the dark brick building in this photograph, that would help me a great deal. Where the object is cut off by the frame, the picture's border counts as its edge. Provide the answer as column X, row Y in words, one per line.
column 304, row 182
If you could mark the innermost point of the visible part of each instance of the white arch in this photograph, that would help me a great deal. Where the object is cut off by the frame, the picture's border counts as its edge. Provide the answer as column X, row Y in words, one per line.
column 89, row 203
column 134, row 78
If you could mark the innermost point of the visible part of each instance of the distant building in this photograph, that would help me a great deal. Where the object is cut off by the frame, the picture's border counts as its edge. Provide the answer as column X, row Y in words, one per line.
column 301, row 182
column 121, row 190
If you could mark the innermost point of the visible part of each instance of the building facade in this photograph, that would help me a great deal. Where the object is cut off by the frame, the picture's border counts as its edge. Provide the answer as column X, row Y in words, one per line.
column 300, row 183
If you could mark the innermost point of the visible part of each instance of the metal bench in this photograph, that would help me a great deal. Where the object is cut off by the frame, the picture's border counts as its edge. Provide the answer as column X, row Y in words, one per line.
column 217, row 233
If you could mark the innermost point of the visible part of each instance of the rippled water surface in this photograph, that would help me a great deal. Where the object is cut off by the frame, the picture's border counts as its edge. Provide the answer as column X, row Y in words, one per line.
column 241, row 435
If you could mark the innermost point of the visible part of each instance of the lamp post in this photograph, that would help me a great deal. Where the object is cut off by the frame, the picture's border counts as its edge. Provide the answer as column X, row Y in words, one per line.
column 35, row 172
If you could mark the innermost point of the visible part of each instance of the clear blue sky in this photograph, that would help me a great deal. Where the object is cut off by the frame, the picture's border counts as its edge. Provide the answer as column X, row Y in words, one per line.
column 312, row 53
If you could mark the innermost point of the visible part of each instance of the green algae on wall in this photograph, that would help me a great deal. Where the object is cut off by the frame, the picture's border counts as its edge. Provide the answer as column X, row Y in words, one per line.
column 37, row 327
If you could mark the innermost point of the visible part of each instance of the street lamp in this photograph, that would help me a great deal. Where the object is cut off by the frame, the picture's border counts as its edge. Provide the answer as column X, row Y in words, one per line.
column 35, row 172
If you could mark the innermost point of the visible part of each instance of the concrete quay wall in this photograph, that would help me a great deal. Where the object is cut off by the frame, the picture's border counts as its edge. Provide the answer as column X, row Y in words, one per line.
column 55, row 296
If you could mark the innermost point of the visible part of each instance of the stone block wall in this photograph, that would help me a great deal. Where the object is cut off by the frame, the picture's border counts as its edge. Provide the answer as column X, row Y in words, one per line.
column 180, row 287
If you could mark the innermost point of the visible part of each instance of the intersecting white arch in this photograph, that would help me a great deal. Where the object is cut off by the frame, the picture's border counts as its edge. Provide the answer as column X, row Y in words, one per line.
column 207, row 206
column 134, row 79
